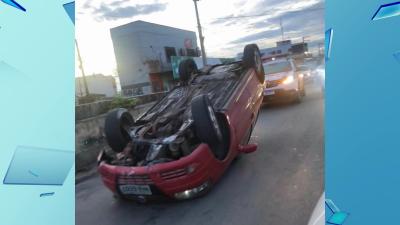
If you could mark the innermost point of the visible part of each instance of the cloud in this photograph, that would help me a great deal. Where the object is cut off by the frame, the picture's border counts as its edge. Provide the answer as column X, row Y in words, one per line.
column 256, row 19
column 262, row 4
column 312, row 13
column 118, row 3
column 119, row 10
column 257, row 36
column 221, row 20
column 306, row 22
column 273, row 7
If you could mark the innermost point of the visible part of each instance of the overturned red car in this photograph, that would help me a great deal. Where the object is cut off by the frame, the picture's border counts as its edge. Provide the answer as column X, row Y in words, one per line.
column 182, row 145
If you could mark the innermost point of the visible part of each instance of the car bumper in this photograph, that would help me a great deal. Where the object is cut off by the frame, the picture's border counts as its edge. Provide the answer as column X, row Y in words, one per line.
column 279, row 95
column 193, row 174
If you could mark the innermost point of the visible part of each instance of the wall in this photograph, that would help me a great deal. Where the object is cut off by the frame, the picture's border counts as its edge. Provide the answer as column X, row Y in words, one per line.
column 90, row 140
column 89, row 110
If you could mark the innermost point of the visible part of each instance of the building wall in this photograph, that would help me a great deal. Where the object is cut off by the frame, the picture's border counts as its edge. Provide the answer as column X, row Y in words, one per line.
column 97, row 84
column 140, row 50
column 276, row 50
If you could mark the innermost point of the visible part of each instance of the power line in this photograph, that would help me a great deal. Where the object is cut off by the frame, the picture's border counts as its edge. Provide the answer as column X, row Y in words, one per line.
column 268, row 13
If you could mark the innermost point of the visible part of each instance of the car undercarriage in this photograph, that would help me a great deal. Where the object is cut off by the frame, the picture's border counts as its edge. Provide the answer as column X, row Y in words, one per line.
column 165, row 132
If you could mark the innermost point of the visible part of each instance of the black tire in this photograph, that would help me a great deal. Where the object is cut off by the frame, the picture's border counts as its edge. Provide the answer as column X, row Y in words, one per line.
column 116, row 128
column 186, row 69
column 207, row 126
column 252, row 59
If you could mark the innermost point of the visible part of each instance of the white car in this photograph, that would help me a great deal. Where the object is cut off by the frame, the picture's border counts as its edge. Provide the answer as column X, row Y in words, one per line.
column 318, row 215
column 319, row 77
column 282, row 81
column 306, row 71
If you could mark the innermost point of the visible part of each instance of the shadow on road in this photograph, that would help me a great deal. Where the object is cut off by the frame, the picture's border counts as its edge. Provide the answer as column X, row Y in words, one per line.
column 313, row 93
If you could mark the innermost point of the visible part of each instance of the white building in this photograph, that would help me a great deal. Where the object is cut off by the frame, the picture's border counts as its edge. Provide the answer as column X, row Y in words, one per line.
column 97, row 84
column 143, row 53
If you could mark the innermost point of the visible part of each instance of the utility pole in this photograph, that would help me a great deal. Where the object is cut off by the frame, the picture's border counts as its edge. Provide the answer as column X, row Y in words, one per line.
column 280, row 22
column 81, row 67
column 203, row 51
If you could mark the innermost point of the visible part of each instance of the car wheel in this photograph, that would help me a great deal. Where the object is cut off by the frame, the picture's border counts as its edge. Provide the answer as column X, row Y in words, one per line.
column 252, row 59
column 207, row 126
column 186, row 69
column 116, row 128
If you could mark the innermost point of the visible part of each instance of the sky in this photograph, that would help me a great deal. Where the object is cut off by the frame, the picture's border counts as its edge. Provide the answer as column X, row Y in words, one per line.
column 228, row 25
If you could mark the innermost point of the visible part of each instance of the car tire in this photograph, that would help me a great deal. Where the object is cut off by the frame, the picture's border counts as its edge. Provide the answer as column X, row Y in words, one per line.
column 186, row 68
column 252, row 59
column 116, row 128
column 207, row 126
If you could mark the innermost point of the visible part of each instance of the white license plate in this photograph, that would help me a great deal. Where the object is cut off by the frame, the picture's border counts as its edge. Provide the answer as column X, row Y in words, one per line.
column 132, row 189
column 267, row 92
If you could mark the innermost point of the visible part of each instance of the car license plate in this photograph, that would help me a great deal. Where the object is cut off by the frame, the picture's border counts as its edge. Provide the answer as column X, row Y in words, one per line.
column 267, row 92
column 132, row 189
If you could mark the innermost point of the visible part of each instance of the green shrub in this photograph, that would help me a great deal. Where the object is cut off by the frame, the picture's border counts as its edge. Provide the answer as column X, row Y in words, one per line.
column 121, row 102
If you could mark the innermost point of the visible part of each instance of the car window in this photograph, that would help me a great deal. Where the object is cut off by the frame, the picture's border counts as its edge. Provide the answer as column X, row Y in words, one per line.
column 277, row 67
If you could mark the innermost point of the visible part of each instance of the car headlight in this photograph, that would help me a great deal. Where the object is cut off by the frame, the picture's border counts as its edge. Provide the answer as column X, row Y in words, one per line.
column 190, row 193
column 288, row 80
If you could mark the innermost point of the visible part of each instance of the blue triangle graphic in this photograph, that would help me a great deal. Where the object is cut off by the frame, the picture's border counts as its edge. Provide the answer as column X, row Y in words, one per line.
column 70, row 9
column 14, row 4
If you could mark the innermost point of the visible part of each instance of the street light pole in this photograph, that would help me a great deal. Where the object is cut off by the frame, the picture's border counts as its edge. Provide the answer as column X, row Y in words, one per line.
column 203, row 51
column 81, row 67
column 282, row 33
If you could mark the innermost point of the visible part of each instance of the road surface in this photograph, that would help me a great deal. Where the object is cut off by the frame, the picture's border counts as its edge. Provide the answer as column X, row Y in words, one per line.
column 278, row 184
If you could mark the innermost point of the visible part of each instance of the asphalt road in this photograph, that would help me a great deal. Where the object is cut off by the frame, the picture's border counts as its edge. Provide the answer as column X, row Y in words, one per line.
column 278, row 184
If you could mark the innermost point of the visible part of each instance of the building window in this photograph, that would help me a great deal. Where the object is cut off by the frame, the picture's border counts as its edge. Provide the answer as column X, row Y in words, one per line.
column 169, row 51
column 191, row 52
column 181, row 52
